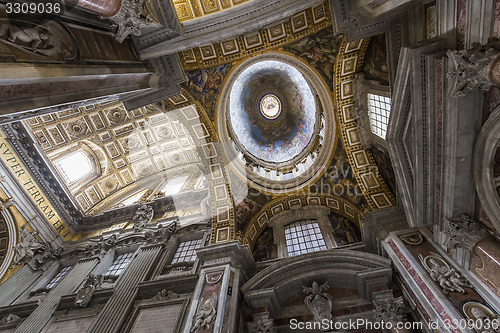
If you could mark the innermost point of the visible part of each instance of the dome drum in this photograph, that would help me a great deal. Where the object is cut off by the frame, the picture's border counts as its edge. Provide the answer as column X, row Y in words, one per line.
column 271, row 112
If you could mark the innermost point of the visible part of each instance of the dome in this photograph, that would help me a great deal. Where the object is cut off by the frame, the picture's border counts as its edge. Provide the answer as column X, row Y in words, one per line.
column 272, row 111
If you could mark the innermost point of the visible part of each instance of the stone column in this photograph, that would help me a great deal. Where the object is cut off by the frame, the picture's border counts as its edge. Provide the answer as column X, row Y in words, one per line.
column 17, row 284
column 216, row 297
column 468, row 234
column 42, row 314
column 475, row 69
column 114, row 313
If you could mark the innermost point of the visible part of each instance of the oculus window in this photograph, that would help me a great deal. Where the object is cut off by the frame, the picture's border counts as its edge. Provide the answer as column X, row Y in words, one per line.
column 62, row 273
column 304, row 237
column 379, row 109
column 186, row 251
column 74, row 166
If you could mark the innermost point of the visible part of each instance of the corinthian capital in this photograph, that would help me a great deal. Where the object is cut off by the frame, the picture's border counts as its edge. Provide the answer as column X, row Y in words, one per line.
column 464, row 232
column 471, row 68
column 131, row 19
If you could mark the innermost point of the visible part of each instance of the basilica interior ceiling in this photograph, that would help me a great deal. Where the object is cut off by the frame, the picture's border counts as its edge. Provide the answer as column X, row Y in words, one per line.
column 265, row 123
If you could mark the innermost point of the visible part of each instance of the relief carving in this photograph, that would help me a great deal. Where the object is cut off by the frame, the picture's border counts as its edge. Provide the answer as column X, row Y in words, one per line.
column 32, row 250
column 27, row 246
column 448, row 278
column 392, row 310
column 44, row 41
column 205, row 314
column 165, row 295
column 161, row 234
column 483, row 318
column 131, row 19
column 318, row 301
column 46, row 253
column 9, row 319
column 92, row 283
column 142, row 217
column 100, row 247
column 262, row 326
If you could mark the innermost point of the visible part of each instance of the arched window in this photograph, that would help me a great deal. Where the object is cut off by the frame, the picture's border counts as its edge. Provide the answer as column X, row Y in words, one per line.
column 379, row 109
column 74, row 166
column 304, row 237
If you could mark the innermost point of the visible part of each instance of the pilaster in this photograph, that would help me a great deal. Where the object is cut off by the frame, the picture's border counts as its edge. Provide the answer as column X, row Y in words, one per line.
column 114, row 313
column 42, row 314
column 17, row 284
column 216, row 296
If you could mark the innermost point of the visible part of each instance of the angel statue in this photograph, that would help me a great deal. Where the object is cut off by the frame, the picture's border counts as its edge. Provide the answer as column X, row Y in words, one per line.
column 318, row 301
column 205, row 314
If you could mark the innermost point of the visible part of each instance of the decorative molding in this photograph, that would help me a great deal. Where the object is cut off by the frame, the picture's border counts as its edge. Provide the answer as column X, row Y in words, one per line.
column 485, row 151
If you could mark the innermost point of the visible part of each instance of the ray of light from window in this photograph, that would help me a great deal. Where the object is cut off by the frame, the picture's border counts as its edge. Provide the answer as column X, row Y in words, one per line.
column 134, row 198
column 74, row 166
column 379, row 109
column 174, row 186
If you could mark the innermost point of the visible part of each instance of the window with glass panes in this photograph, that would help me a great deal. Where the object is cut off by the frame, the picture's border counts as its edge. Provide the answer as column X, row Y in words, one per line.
column 379, row 109
column 58, row 277
column 119, row 264
column 186, row 251
column 304, row 237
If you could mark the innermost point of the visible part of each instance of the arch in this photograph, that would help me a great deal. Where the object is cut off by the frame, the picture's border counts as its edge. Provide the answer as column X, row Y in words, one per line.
column 348, row 63
column 364, row 272
column 290, row 202
column 485, row 150
column 12, row 232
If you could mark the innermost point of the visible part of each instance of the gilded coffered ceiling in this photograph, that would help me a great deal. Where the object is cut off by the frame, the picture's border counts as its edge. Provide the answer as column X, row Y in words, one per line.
column 276, row 35
column 136, row 152
column 191, row 9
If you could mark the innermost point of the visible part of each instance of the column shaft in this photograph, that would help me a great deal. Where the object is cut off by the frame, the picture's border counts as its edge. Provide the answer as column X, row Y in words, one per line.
column 17, row 284
column 114, row 313
column 42, row 314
